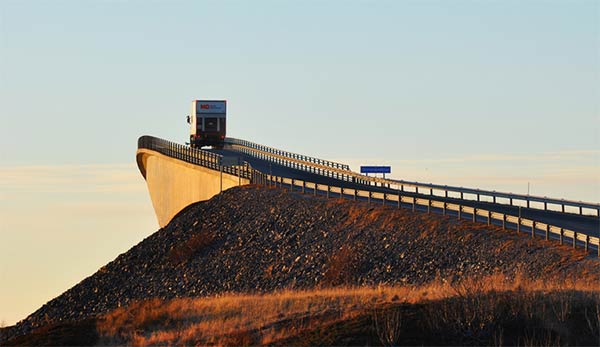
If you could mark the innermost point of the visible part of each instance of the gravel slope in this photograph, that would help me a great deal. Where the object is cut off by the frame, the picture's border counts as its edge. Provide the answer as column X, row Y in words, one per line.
column 253, row 239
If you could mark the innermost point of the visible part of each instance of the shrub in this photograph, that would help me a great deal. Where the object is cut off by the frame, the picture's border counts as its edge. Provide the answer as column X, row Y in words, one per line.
column 342, row 266
column 388, row 324
column 191, row 247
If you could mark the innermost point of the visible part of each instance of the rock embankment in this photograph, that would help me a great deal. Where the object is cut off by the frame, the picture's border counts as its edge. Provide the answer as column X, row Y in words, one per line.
column 253, row 239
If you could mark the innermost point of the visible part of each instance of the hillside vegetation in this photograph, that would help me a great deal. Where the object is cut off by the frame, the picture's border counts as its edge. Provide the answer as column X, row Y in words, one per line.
column 258, row 245
column 490, row 311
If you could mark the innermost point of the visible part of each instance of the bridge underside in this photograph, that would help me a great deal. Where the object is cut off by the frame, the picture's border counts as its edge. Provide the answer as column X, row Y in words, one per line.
column 174, row 184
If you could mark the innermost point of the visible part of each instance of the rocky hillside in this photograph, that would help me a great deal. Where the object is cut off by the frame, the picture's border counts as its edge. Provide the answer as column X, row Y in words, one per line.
column 253, row 239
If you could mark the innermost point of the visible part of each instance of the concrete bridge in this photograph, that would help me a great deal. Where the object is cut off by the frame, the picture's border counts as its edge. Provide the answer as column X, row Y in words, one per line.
column 178, row 176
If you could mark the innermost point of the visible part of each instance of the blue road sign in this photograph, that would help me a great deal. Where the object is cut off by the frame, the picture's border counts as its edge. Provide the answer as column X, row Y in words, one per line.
column 376, row 169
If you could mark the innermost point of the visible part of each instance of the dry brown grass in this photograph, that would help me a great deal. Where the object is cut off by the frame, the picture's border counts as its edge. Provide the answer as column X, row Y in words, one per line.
column 237, row 319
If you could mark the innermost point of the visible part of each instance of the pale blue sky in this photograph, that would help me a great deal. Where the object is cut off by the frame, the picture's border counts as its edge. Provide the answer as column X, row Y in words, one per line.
column 489, row 94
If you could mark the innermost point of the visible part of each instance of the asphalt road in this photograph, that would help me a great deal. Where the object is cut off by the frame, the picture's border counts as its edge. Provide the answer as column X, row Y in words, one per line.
column 589, row 225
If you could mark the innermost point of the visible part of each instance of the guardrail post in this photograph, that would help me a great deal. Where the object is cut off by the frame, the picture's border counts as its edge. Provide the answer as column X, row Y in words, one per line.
column 474, row 215
column 504, row 221
column 489, row 218
column 414, row 204
column 574, row 239
column 431, row 191
column 341, row 192
column 292, row 186
column 221, row 169
column 477, row 196
column 545, row 206
column 328, row 189
column 303, row 187
column 444, row 210
column 446, row 192
column 399, row 200
column 510, row 201
column 354, row 195
column 494, row 199
column 315, row 189
column 562, row 235
column 580, row 210
column 428, row 206
column 369, row 197
column 563, row 208
column 527, row 202
column 459, row 211
column 587, row 243
column 461, row 195
column 533, row 230
column 519, row 225
column 547, row 232
column 384, row 198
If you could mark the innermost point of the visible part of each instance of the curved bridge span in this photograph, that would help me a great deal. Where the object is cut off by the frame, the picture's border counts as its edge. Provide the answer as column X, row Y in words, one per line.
column 178, row 175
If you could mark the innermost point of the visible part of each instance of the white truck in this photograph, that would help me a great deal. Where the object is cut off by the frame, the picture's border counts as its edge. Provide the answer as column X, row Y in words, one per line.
column 207, row 123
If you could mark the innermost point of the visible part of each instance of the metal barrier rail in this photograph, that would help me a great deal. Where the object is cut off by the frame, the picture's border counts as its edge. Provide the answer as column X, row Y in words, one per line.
column 194, row 156
column 535, row 228
column 342, row 172
column 494, row 195
column 294, row 163
column 285, row 154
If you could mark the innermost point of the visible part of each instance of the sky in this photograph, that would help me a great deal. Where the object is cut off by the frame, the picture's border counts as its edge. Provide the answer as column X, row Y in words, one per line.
column 501, row 95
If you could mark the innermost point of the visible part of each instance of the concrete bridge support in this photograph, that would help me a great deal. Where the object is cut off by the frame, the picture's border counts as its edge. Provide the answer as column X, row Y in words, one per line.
column 174, row 184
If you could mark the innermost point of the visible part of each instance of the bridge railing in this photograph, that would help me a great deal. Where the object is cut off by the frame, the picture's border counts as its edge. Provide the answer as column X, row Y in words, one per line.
column 293, row 157
column 544, row 203
column 194, row 156
column 343, row 172
column 535, row 228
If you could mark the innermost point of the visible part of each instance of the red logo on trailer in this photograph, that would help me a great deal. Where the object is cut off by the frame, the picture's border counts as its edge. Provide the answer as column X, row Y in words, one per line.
column 205, row 106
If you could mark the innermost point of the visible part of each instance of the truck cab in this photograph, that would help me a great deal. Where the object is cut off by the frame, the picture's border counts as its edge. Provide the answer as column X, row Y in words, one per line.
column 207, row 123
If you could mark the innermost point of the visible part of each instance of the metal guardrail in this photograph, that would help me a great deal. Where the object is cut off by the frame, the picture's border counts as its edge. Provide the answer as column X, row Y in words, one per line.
column 511, row 197
column 212, row 160
column 506, row 221
column 342, row 172
column 194, row 156
column 294, row 157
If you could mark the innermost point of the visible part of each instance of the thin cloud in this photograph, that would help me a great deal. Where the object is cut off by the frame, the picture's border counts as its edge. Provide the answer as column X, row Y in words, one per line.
column 105, row 178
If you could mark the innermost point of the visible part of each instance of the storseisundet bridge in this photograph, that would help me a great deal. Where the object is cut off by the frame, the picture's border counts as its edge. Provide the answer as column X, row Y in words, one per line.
column 178, row 176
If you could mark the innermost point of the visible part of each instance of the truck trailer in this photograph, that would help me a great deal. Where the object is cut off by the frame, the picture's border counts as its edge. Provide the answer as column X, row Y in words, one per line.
column 207, row 123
